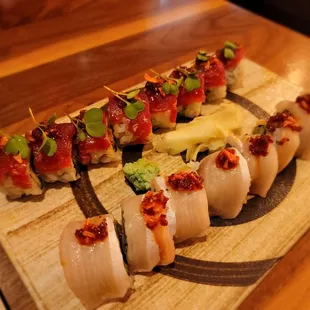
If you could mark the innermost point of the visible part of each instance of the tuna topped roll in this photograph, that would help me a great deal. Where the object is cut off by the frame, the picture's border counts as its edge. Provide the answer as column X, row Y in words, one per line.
column 162, row 95
column 16, row 176
column 94, row 139
column 231, row 55
column 129, row 115
column 191, row 92
column 213, row 73
column 52, row 149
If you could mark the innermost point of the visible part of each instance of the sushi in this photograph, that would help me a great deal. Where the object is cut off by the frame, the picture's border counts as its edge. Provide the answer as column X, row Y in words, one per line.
column 226, row 180
column 191, row 92
column 213, row 73
column 16, row 175
column 301, row 111
column 94, row 147
column 232, row 55
column 52, row 148
column 149, row 241
column 262, row 158
column 284, row 129
column 188, row 204
column 129, row 115
column 92, row 261
column 162, row 96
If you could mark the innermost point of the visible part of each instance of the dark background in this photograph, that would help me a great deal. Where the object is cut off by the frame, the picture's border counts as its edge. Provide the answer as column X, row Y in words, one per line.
column 294, row 14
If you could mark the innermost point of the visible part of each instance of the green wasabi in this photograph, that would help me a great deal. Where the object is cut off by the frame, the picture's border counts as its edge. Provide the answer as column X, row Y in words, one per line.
column 141, row 173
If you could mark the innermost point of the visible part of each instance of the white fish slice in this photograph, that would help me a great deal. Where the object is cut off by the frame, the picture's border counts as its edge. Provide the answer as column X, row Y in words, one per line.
column 146, row 248
column 286, row 151
column 190, row 209
column 263, row 170
column 96, row 274
column 226, row 189
column 303, row 117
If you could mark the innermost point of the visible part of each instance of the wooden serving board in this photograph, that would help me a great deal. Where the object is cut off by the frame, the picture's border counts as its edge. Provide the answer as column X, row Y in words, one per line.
column 215, row 273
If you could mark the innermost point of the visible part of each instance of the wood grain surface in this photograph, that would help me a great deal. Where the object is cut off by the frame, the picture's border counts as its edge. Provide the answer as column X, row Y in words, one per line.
column 56, row 55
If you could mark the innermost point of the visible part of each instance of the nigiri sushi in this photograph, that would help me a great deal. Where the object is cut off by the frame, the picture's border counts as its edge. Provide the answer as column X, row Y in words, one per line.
column 232, row 55
column 213, row 73
column 284, row 129
column 149, row 241
column 188, row 203
column 262, row 158
column 16, row 175
column 191, row 92
column 92, row 261
column 226, row 180
column 162, row 97
column 301, row 111
column 52, row 147
column 97, row 148
column 130, row 118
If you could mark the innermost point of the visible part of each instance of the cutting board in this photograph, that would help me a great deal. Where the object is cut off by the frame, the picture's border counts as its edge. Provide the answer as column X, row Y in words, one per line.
column 217, row 272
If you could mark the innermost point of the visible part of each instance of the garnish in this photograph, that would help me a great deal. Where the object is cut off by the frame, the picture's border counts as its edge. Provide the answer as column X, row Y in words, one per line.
column 229, row 50
column 259, row 145
column 227, row 159
column 49, row 145
column 283, row 120
column 202, row 56
column 185, row 181
column 17, row 145
column 169, row 86
column 133, row 104
column 260, row 130
column 92, row 120
column 192, row 81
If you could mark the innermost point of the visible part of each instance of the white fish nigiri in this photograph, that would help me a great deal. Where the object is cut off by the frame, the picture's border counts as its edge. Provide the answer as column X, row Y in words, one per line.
column 262, row 158
column 188, row 203
column 92, row 261
column 284, row 129
column 227, row 181
column 301, row 111
column 149, row 241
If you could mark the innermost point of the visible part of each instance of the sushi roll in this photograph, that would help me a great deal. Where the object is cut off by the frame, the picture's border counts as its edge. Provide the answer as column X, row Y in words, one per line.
column 226, row 180
column 130, row 118
column 213, row 73
column 92, row 261
column 52, row 148
column 162, row 96
column 149, row 241
column 188, row 204
column 16, row 176
column 232, row 55
column 300, row 110
column 191, row 92
column 262, row 158
column 94, row 147
column 285, row 130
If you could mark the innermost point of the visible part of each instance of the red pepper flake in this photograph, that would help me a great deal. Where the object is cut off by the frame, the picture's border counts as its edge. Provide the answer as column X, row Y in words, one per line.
column 227, row 159
column 185, row 181
column 304, row 102
column 153, row 209
column 259, row 145
column 283, row 141
column 283, row 120
column 92, row 233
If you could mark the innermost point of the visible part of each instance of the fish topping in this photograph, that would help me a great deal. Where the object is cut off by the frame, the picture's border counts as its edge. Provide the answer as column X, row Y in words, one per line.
column 304, row 102
column 227, row 159
column 283, row 120
column 153, row 209
column 259, row 145
column 283, row 141
column 92, row 233
column 185, row 181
